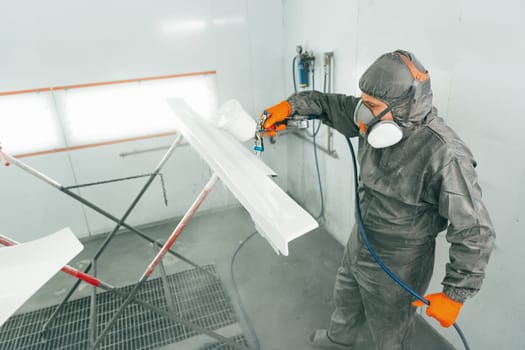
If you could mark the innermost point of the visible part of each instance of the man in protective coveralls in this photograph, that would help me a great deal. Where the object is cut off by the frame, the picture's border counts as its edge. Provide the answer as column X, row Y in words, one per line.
column 417, row 178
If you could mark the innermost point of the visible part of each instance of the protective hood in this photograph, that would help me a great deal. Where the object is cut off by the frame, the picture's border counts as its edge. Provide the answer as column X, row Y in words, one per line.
column 389, row 79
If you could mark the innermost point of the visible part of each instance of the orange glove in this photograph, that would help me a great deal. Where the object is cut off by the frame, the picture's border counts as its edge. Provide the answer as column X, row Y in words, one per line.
column 274, row 129
column 277, row 113
column 442, row 308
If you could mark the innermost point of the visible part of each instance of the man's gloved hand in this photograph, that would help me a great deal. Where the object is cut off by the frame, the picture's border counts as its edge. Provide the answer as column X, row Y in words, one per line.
column 274, row 129
column 442, row 308
column 275, row 114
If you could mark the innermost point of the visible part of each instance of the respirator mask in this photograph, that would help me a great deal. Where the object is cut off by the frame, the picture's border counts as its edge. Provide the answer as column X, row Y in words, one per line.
column 379, row 133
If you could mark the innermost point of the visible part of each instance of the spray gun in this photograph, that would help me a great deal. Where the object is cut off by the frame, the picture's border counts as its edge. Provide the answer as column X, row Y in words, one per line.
column 294, row 122
column 258, row 141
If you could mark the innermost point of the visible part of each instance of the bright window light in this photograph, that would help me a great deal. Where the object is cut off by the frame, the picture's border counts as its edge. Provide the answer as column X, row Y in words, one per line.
column 28, row 123
column 112, row 112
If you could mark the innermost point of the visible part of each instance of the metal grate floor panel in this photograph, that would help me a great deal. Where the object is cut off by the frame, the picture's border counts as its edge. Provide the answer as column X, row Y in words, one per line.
column 221, row 346
column 197, row 297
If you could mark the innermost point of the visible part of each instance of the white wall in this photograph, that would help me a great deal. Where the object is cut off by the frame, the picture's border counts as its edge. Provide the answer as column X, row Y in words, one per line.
column 60, row 42
column 474, row 52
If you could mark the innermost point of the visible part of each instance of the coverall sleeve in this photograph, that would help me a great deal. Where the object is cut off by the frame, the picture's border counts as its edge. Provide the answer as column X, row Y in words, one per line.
column 334, row 110
column 470, row 231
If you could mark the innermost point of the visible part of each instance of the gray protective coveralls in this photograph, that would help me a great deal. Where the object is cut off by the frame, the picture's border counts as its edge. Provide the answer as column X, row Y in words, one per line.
column 409, row 193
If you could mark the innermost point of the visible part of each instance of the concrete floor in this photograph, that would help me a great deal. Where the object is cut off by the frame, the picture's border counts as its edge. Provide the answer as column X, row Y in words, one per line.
column 286, row 297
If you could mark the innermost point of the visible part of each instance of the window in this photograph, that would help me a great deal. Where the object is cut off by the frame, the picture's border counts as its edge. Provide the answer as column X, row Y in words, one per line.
column 28, row 123
column 31, row 122
column 103, row 113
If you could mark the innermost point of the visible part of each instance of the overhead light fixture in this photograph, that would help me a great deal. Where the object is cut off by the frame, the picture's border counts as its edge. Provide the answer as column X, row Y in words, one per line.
column 230, row 20
column 178, row 27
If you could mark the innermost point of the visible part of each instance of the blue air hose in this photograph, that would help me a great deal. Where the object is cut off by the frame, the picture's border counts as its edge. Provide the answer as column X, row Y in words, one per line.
column 373, row 253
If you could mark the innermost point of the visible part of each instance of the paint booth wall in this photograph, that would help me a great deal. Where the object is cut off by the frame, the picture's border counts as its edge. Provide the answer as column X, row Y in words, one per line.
column 474, row 52
column 61, row 42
